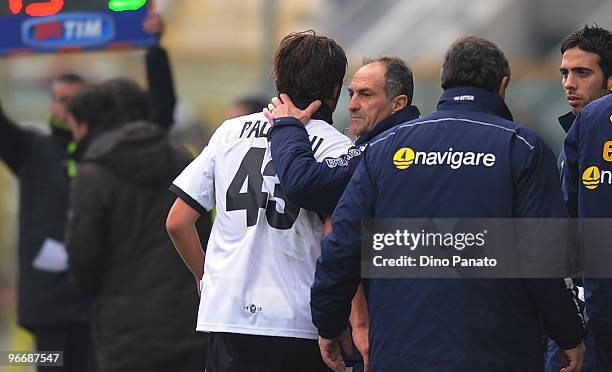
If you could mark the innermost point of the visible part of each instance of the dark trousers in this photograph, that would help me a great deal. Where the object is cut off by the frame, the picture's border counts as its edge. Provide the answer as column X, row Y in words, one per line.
column 74, row 340
column 188, row 361
column 602, row 343
column 233, row 352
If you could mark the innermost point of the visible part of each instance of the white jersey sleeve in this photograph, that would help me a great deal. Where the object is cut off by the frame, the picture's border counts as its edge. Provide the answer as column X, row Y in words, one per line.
column 196, row 183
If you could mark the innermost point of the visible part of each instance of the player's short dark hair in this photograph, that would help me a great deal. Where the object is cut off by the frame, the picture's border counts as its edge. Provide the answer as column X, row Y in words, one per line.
column 95, row 107
column 308, row 66
column 472, row 61
column 398, row 77
column 129, row 97
column 593, row 39
column 70, row 78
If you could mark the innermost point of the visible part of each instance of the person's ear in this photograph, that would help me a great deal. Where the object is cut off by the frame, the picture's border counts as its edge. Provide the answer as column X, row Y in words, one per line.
column 609, row 84
column 399, row 103
column 503, row 85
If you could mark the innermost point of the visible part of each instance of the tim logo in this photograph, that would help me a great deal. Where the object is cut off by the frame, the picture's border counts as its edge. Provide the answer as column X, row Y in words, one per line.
column 252, row 309
column 68, row 30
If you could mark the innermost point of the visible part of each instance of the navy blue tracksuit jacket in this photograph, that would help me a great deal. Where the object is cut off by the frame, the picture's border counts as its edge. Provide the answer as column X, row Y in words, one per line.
column 449, row 324
column 587, row 188
column 318, row 186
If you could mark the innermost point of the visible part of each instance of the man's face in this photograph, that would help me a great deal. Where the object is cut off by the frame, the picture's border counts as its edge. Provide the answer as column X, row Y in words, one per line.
column 61, row 94
column 368, row 102
column 582, row 78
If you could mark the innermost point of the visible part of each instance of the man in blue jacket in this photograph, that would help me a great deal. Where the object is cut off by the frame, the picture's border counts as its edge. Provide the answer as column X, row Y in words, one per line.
column 380, row 98
column 450, row 324
column 586, row 65
column 381, row 94
column 588, row 191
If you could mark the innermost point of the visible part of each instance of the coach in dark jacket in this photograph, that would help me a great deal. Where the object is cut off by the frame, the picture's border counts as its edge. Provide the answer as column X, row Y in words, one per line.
column 145, row 302
column 380, row 98
column 436, row 324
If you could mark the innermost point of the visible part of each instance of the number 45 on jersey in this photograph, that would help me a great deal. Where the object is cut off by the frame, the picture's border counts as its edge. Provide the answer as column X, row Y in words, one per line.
column 254, row 198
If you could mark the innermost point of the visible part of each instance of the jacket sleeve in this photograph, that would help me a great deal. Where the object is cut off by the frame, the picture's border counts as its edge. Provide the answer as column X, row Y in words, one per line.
column 14, row 142
column 312, row 185
column 86, row 230
column 538, row 196
column 570, row 169
column 161, row 87
column 338, row 268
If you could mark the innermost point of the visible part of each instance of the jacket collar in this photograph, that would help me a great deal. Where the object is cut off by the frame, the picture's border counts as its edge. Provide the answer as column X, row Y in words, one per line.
column 61, row 136
column 474, row 99
column 567, row 120
column 323, row 113
column 404, row 115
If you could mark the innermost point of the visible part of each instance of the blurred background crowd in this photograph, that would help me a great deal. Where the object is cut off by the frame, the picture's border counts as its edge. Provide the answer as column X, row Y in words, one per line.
column 221, row 52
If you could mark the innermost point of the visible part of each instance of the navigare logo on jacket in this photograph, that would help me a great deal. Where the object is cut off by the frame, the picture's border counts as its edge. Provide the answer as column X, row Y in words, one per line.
column 592, row 177
column 406, row 157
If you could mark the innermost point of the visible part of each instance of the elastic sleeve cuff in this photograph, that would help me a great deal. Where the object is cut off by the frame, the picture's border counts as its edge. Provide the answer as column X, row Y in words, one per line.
column 285, row 122
column 566, row 345
column 332, row 333
column 187, row 199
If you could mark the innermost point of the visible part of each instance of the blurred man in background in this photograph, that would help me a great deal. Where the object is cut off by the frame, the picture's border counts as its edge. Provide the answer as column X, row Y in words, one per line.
column 118, row 249
column 49, row 305
column 246, row 105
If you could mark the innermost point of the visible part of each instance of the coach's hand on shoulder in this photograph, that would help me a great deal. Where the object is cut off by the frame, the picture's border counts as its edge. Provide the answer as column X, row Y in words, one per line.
column 572, row 359
column 283, row 107
column 330, row 351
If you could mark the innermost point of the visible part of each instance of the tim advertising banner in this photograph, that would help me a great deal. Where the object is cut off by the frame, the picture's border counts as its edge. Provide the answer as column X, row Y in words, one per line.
column 51, row 26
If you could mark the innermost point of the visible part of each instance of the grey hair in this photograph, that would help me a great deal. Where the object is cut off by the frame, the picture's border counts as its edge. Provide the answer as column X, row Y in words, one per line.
column 398, row 77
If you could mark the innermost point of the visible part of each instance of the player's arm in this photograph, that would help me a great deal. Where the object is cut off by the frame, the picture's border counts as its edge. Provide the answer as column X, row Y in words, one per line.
column 338, row 269
column 14, row 143
column 159, row 75
column 570, row 169
column 181, row 226
column 360, row 323
column 195, row 188
column 539, row 198
column 359, row 318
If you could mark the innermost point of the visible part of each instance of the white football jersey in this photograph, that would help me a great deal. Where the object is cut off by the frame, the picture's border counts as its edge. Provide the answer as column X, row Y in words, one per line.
column 262, row 251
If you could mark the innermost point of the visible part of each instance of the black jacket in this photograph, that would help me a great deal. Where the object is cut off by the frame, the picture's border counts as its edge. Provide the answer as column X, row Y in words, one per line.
column 39, row 161
column 119, row 250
